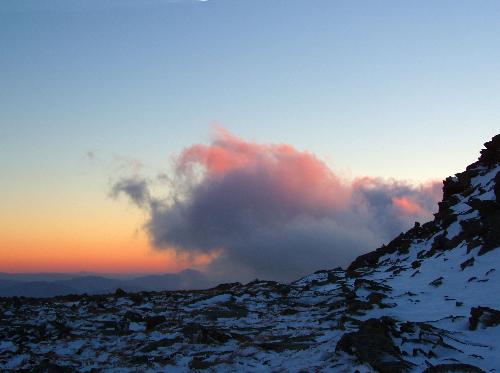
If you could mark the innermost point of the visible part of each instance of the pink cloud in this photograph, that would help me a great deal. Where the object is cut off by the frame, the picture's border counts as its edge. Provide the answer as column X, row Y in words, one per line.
column 273, row 211
column 409, row 207
column 300, row 175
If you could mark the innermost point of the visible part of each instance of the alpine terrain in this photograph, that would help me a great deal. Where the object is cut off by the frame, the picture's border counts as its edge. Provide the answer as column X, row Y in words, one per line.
column 428, row 301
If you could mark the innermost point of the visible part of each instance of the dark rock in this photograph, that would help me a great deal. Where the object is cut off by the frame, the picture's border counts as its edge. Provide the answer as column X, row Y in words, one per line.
column 280, row 346
column 228, row 310
column 450, row 368
column 401, row 244
column 165, row 342
column 197, row 363
column 485, row 316
column 491, row 155
column 370, row 285
column 133, row 316
column 63, row 330
column 468, row 263
column 454, row 185
column 437, row 282
column 376, row 297
column 227, row 286
column 496, row 188
column 373, row 344
column 471, row 229
column 440, row 243
column 138, row 359
column 153, row 321
column 120, row 293
column 136, row 298
column 355, row 306
column 490, row 218
column 445, row 215
column 46, row 366
column 196, row 333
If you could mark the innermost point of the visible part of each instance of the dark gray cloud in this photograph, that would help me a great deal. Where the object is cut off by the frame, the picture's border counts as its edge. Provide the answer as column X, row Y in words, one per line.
column 135, row 188
column 274, row 212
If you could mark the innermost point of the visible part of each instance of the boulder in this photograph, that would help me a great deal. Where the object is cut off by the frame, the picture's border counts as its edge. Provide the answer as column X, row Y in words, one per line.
column 196, row 333
column 373, row 344
column 485, row 316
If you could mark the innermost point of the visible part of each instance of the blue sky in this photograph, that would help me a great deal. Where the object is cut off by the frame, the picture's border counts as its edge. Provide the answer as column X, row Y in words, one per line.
column 408, row 90
column 332, row 77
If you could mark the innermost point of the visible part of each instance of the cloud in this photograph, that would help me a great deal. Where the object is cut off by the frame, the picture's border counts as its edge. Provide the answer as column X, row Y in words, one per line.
column 135, row 188
column 272, row 211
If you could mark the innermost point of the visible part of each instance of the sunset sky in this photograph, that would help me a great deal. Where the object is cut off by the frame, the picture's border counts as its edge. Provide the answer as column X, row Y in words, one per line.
column 221, row 118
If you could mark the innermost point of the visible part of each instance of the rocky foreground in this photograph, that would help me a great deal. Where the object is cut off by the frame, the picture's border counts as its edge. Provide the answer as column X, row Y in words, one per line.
column 428, row 301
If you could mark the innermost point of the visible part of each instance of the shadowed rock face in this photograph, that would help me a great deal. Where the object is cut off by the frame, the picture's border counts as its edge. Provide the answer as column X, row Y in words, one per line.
column 484, row 317
column 426, row 301
column 372, row 343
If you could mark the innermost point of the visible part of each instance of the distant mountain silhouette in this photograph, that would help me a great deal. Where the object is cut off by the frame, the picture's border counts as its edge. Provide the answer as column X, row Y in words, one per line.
column 42, row 285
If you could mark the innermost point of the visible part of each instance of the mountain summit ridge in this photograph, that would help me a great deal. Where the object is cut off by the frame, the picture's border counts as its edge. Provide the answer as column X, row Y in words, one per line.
column 425, row 302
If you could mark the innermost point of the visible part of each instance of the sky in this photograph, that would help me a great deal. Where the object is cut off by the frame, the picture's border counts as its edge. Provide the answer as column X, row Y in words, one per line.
column 100, row 100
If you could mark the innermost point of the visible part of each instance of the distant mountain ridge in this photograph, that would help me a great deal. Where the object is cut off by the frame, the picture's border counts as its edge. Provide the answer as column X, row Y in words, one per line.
column 55, row 284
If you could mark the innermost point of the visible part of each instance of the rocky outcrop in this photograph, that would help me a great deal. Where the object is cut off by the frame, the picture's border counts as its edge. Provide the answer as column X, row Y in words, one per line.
column 372, row 344
column 484, row 317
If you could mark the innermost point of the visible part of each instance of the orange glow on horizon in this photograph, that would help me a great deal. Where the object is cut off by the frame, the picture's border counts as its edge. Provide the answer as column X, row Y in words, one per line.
column 92, row 239
column 112, row 257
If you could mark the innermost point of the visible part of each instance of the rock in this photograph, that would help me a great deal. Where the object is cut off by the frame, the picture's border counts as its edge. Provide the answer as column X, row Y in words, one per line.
column 401, row 244
column 133, row 316
column 468, row 263
column 136, row 298
column 120, row 293
column 496, row 188
column 454, row 185
column 437, row 282
column 196, row 333
column 280, row 346
column 165, row 342
column 485, row 316
column 471, row 229
column 376, row 297
column 373, row 344
column 370, row 285
column 46, row 366
column 227, row 286
column 197, row 363
column 491, row 155
column 153, row 321
column 453, row 368
column 63, row 330
column 228, row 310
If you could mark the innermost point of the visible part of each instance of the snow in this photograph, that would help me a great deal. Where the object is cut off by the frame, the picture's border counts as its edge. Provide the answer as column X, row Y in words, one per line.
column 211, row 301
column 7, row 346
column 137, row 326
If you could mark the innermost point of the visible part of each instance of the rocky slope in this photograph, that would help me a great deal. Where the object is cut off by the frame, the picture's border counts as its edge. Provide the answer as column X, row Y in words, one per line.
column 428, row 301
